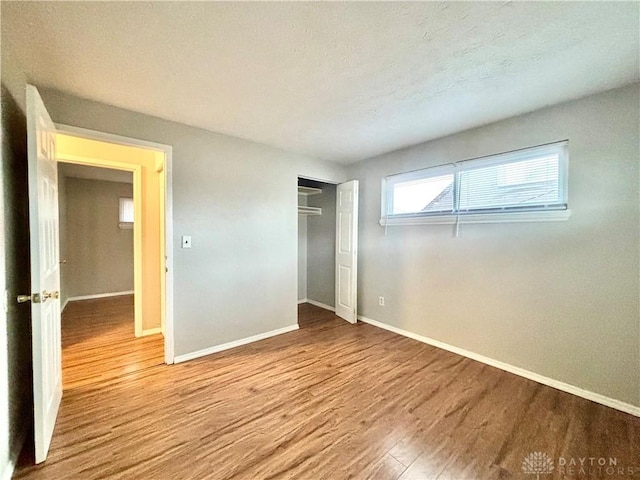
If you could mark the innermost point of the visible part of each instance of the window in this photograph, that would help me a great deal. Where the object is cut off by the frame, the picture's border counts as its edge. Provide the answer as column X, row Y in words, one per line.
column 126, row 213
column 525, row 185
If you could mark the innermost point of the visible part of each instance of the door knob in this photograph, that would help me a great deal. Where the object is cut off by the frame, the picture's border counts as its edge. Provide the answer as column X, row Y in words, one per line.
column 35, row 298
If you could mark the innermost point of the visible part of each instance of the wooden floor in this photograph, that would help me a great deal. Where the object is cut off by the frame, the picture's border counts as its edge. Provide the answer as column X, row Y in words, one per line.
column 329, row 401
column 99, row 343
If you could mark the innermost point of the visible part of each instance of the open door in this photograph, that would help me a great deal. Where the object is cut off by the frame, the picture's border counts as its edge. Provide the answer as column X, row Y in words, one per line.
column 347, row 250
column 45, row 272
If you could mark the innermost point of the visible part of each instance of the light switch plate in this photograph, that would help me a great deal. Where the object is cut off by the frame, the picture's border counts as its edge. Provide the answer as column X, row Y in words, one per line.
column 186, row 241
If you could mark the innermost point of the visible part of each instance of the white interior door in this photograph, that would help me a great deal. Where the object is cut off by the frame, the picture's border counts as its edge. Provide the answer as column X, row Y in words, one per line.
column 347, row 251
column 45, row 271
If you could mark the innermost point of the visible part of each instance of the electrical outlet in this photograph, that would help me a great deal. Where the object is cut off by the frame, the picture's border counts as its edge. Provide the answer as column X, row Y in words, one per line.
column 381, row 301
column 186, row 241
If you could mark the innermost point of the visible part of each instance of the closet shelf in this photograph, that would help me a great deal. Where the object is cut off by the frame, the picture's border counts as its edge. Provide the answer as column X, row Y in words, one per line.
column 309, row 191
column 304, row 210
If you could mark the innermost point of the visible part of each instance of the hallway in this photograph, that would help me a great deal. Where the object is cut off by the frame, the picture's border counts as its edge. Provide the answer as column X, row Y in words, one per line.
column 98, row 342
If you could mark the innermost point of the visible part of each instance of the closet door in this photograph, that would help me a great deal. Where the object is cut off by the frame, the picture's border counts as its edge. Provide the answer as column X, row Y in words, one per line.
column 347, row 250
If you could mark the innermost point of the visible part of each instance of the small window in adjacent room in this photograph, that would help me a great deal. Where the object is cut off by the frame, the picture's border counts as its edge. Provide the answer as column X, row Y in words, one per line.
column 126, row 213
column 524, row 185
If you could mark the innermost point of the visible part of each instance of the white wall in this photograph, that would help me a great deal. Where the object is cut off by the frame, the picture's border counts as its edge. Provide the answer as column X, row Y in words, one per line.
column 558, row 299
column 238, row 201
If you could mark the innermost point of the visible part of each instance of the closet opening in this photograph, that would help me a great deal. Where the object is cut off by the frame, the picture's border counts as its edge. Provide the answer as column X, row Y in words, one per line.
column 316, row 250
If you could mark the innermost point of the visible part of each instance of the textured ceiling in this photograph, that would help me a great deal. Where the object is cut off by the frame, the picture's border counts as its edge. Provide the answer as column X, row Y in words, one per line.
column 339, row 81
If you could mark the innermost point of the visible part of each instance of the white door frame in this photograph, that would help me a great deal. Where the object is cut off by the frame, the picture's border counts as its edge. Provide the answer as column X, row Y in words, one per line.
column 136, row 171
column 169, row 352
column 315, row 179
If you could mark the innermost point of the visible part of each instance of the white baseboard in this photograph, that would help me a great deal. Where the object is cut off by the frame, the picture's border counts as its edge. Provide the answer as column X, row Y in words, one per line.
column 565, row 387
column 304, row 300
column 9, row 468
column 98, row 295
column 321, row 305
column 235, row 343
column 151, row 331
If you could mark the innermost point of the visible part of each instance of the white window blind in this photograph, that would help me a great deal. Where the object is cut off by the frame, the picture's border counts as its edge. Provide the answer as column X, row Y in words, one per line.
column 524, row 184
column 126, row 212
column 532, row 179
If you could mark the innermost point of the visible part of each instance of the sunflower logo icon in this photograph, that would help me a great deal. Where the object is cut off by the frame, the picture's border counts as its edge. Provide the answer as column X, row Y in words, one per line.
column 537, row 463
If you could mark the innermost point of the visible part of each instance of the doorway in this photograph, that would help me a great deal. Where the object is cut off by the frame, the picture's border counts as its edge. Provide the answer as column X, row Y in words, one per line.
column 327, row 247
column 148, row 166
column 316, row 243
column 98, row 328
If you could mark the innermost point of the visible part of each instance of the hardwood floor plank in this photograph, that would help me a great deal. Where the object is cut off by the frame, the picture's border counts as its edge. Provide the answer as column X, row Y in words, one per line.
column 329, row 401
column 99, row 343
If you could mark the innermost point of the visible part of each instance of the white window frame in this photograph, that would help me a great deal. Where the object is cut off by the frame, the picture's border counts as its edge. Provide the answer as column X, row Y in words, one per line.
column 121, row 224
column 550, row 213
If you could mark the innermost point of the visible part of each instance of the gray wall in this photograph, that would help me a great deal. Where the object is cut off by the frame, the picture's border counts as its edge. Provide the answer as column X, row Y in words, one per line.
column 302, row 251
column 238, row 201
column 321, row 247
column 559, row 299
column 18, row 401
column 99, row 254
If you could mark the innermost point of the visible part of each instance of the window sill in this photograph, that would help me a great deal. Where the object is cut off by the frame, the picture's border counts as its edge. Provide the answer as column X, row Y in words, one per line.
column 507, row 217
